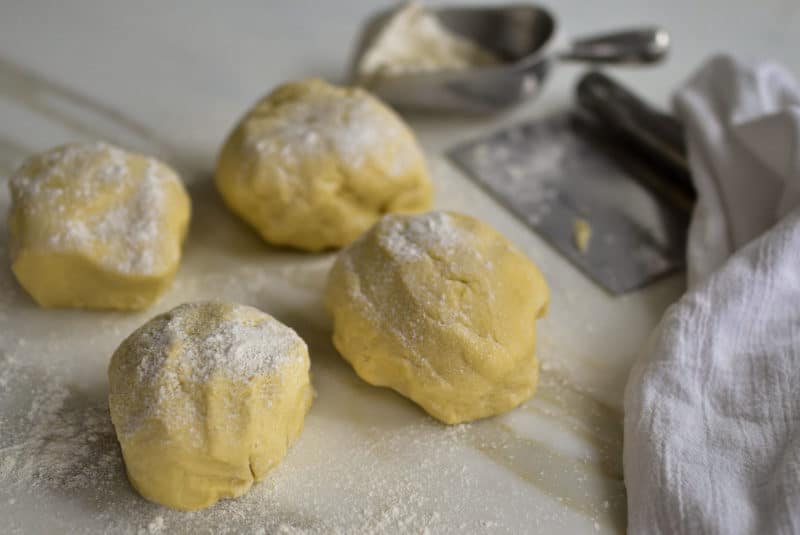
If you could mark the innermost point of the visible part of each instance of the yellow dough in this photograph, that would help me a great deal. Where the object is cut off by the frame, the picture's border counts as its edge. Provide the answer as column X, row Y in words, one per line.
column 93, row 226
column 205, row 400
column 441, row 308
column 313, row 166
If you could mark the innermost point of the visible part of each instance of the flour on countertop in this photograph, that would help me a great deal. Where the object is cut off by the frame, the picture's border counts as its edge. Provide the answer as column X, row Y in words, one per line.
column 156, row 525
column 53, row 444
column 366, row 462
column 413, row 41
column 64, row 445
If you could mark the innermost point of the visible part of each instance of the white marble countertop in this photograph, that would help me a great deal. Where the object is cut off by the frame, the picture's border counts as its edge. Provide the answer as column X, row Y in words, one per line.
column 170, row 79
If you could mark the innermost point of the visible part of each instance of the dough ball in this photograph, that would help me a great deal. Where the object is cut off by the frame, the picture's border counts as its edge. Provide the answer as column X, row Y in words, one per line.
column 441, row 308
column 313, row 166
column 205, row 400
column 93, row 226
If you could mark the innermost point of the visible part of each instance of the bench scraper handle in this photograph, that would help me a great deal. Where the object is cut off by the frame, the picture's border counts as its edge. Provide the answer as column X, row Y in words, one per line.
column 659, row 135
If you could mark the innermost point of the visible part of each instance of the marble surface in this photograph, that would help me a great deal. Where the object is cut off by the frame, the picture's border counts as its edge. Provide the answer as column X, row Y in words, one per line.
column 170, row 79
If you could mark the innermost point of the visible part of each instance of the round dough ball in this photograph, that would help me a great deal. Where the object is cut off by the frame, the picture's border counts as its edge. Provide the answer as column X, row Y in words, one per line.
column 93, row 226
column 441, row 308
column 313, row 166
column 205, row 400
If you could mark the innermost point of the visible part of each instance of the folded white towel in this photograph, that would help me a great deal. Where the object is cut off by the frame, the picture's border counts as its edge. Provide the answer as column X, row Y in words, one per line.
column 712, row 407
column 743, row 131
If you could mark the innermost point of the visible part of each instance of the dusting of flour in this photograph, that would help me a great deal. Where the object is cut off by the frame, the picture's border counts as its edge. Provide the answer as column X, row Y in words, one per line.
column 94, row 197
column 62, row 445
column 243, row 344
column 349, row 124
column 366, row 462
column 409, row 239
column 198, row 342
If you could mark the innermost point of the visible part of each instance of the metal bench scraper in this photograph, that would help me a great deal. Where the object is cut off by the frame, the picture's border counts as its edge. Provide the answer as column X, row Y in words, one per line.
column 606, row 185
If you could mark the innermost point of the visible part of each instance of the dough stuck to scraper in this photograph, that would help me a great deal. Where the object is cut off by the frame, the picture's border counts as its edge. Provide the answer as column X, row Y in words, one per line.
column 205, row 400
column 313, row 166
column 441, row 308
column 93, row 226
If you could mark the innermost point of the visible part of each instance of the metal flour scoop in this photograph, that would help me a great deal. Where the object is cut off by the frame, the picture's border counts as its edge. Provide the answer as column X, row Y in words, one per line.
column 523, row 37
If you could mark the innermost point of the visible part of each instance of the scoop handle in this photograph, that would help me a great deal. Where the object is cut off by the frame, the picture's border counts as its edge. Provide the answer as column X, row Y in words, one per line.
column 633, row 46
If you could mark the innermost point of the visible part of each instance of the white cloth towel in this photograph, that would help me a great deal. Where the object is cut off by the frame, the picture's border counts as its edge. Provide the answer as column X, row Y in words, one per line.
column 712, row 406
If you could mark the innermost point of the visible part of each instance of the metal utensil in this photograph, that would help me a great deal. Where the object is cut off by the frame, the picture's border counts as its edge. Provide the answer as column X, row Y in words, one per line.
column 523, row 36
column 582, row 166
column 656, row 134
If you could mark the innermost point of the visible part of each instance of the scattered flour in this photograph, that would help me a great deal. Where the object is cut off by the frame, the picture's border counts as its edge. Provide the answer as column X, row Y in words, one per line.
column 156, row 525
column 367, row 461
column 63, row 447
column 53, row 443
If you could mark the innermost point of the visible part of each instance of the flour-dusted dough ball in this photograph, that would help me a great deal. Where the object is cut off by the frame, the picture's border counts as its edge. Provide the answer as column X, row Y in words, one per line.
column 93, row 226
column 205, row 400
column 313, row 166
column 441, row 308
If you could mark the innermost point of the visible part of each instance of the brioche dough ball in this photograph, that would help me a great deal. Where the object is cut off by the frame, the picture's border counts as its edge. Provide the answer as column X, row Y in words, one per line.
column 205, row 400
column 441, row 308
column 94, row 226
column 313, row 166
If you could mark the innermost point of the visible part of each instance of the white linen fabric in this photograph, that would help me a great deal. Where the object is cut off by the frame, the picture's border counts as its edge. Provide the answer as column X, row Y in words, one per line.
column 712, row 406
